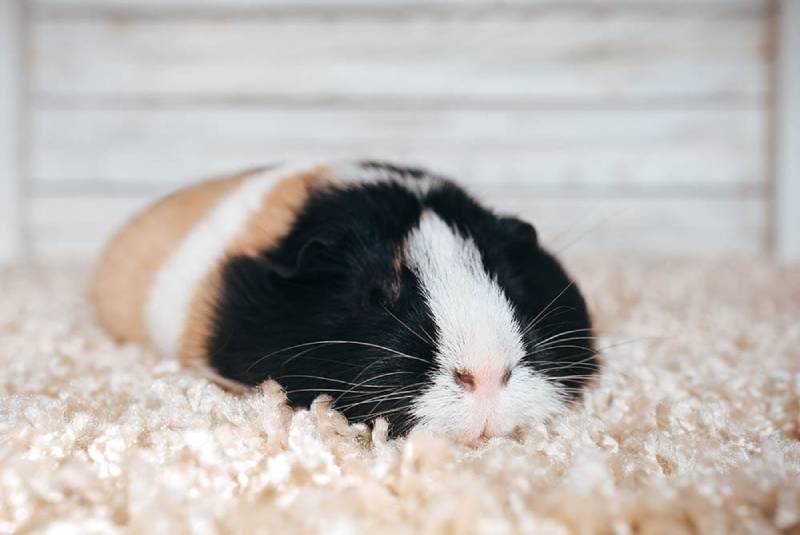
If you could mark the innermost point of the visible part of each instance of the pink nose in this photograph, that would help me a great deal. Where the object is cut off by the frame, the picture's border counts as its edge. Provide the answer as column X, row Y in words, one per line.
column 468, row 380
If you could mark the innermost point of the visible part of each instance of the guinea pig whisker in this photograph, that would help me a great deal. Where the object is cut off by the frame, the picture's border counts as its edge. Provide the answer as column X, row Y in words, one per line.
column 300, row 354
column 392, row 353
column 566, row 337
column 532, row 324
column 278, row 351
column 578, row 368
column 334, row 342
column 370, row 365
column 590, row 368
column 412, row 331
column 319, row 359
column 568, row 369
column 426, row 333
column 377, row 402
column 376, row 399
column 330, row 379
column 593, row 228
column 364, row 383
column 562, row 365
column 375, row 377
column 564, row 333
column 392, row 391
column 556, row 298
column 571, row 394
column 567, row 287
column 561, row 340
column 565, row 360
column 367, row 417
column 559, row 335
column 549, row 350
column 387, row 374
column 573, row 377
column 378, row 346
column 597, row 351
column 556, row 347
column 551, row 314
column 556, row 331
column 372, row 415
column 565, row 346
column 324, row 390
column 412, row 389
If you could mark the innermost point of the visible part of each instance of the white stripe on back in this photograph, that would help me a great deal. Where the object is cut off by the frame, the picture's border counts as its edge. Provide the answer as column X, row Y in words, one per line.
column 176, row 282
column 355, row 173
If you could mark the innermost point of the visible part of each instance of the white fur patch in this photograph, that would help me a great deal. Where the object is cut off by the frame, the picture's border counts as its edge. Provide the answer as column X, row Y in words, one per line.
column 176, row 282
column 477, row 327
column 478, row 333
column 355, row 173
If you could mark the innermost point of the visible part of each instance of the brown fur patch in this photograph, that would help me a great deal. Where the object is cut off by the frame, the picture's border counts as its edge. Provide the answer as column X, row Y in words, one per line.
column 131, row 259
column 397, row 264
column 265, row 229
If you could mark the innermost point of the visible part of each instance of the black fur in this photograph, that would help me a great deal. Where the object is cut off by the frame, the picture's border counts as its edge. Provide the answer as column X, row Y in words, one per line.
column 327, row 312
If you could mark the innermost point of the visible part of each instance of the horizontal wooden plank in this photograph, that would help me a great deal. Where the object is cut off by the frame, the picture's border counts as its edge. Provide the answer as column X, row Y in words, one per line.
column 552, row 149
column 79, row 225
column 546, row 55
column 10, row 183
column 368, row 8
column 644, row 225
column 492, row 4
column 787, row 186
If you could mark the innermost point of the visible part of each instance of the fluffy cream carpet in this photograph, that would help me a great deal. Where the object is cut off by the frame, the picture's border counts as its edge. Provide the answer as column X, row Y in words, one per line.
column 693, row 427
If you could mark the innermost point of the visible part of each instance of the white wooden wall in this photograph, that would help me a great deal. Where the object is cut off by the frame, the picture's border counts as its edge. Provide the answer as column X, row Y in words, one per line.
column 10, row 149
column 787, row 192
column 650, row 124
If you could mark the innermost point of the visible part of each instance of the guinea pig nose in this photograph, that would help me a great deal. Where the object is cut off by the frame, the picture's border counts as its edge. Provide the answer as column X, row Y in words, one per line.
column 464, row 379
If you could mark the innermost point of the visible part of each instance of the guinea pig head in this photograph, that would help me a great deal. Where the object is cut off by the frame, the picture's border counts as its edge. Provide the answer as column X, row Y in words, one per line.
column 425, row 309
column 512, row 332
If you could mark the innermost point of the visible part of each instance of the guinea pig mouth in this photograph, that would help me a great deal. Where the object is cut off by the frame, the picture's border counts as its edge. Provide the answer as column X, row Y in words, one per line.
column 480, row 440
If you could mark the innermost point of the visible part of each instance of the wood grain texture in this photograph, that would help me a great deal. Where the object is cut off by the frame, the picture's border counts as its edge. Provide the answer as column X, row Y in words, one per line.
column 548, row 55
column 10, row 177
column 492, row 4
column 79, row 225
column 555, row 150
column 788, row 186
column 648, row 114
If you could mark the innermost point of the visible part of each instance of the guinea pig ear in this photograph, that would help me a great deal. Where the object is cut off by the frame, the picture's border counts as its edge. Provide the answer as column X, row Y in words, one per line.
column 307, row 259
column 519, row 231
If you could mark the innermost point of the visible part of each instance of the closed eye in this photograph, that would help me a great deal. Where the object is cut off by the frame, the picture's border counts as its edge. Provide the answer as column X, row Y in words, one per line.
column 464, row 379
column 507, row 376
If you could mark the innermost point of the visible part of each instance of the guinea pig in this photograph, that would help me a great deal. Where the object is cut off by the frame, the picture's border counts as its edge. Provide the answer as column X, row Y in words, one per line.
column 388, row 288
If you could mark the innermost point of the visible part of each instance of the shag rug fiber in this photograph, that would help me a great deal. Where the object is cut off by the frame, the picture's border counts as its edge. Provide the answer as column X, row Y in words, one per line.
column 693, row 427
